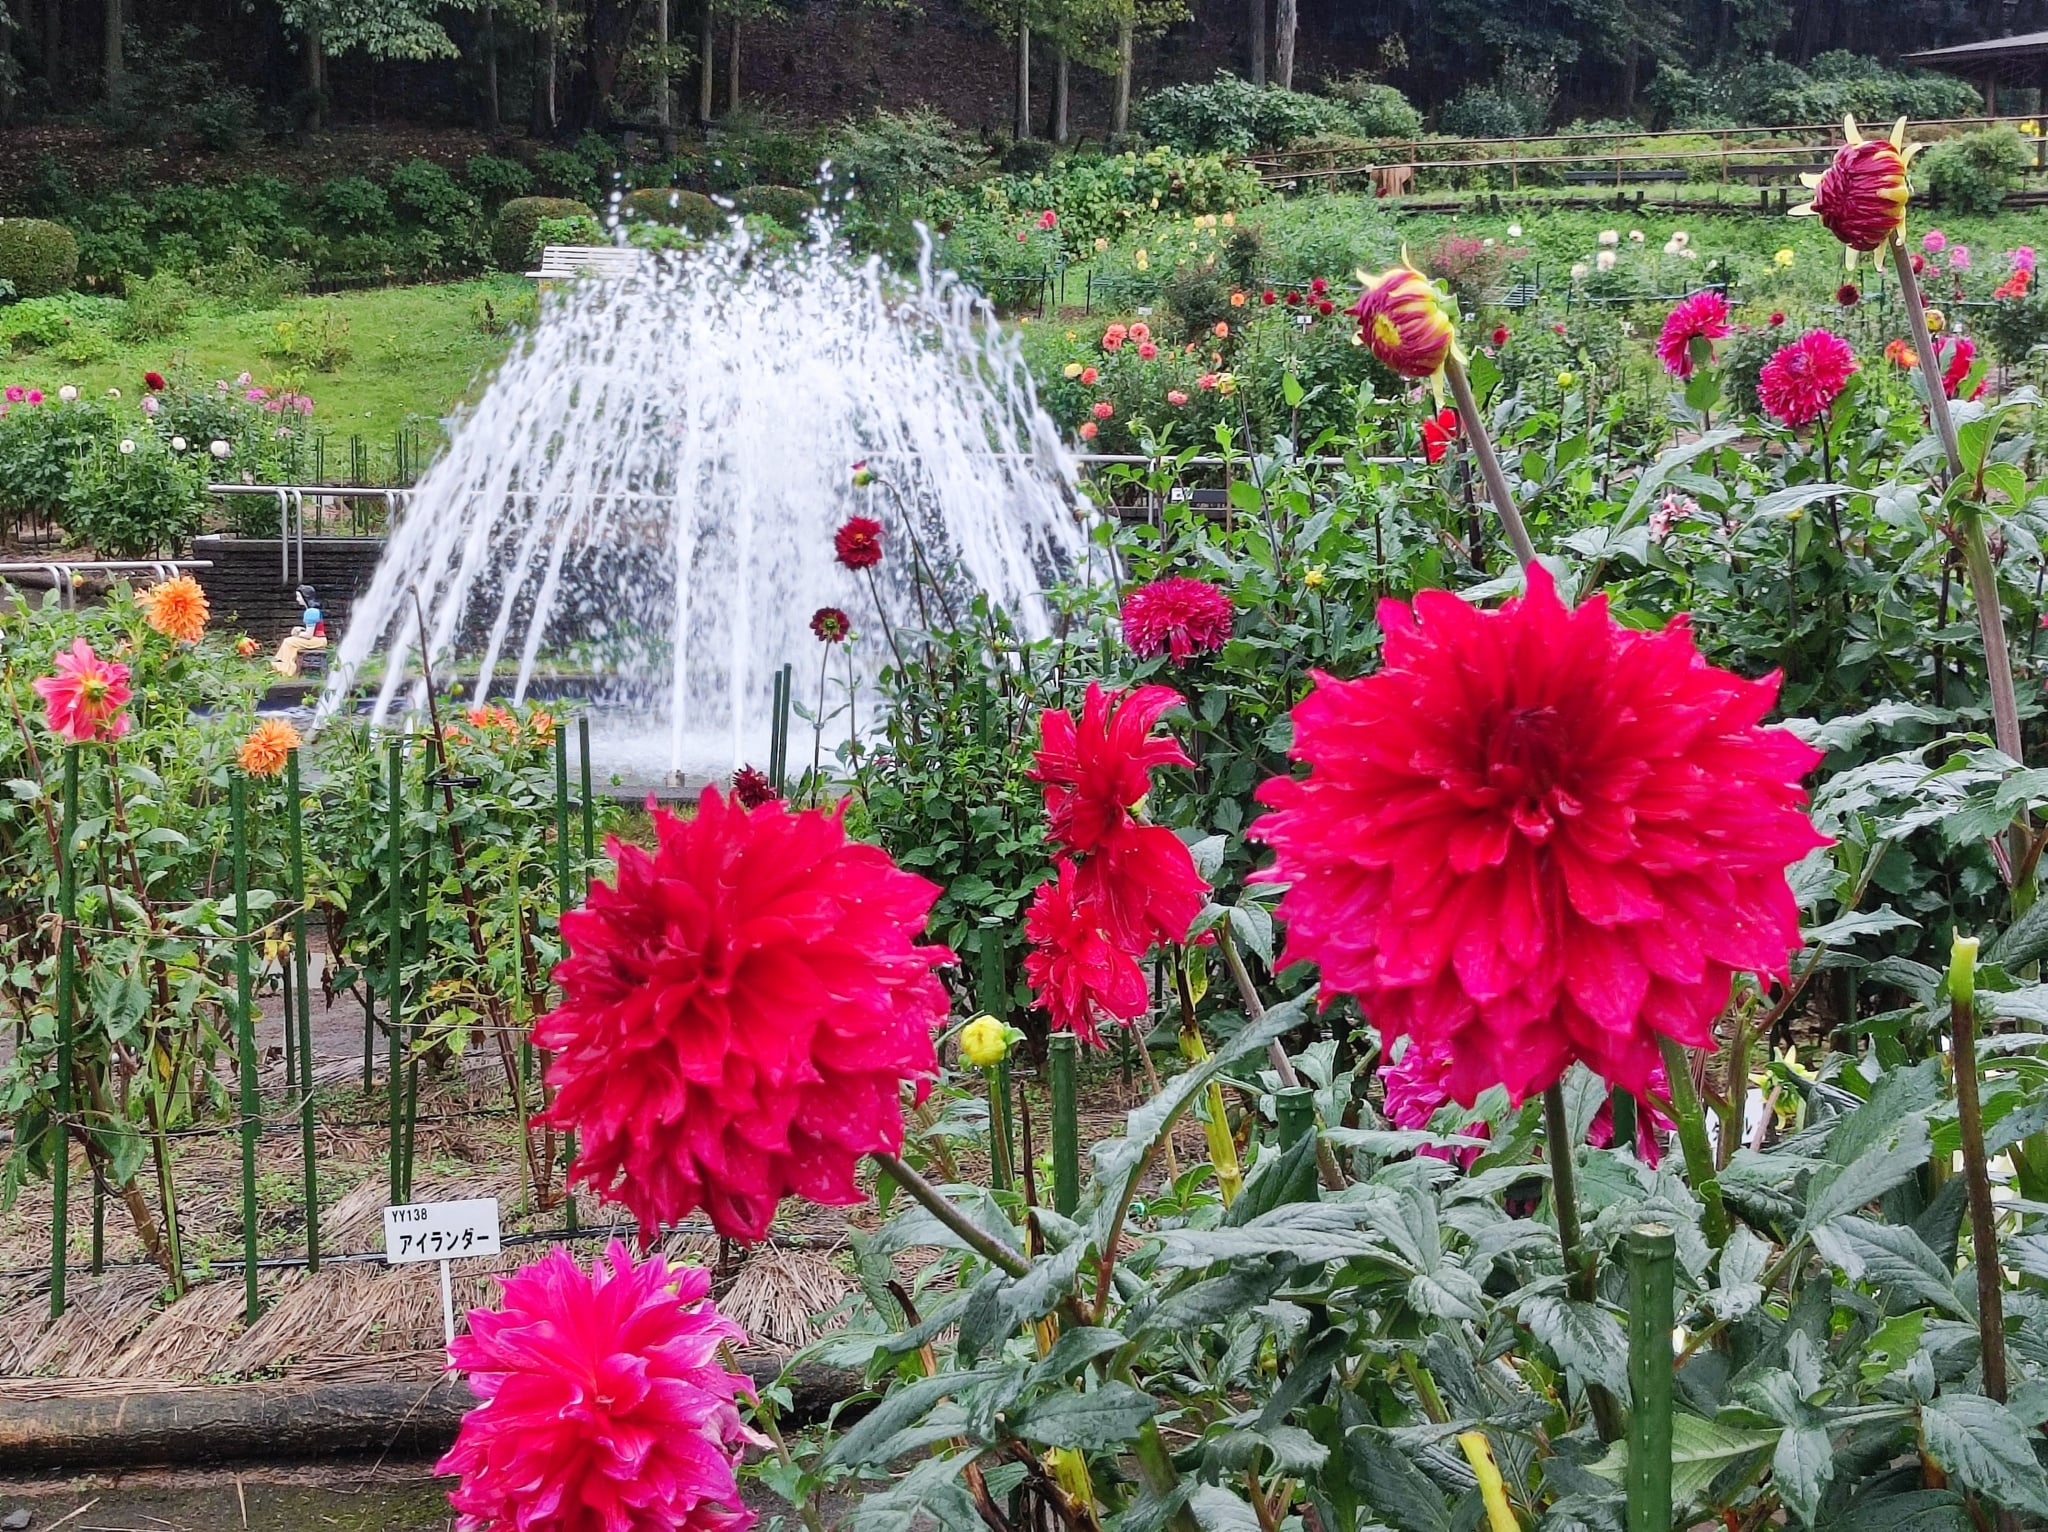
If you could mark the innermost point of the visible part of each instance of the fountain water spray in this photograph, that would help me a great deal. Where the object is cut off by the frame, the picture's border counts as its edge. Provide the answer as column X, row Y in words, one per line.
column 646, row 492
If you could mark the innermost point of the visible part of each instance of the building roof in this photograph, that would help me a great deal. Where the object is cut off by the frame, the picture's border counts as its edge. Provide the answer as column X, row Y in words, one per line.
column 1993, row 50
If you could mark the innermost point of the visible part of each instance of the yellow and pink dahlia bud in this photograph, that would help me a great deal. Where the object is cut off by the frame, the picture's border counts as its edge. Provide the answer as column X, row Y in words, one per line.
column 1404, row 320
column 1861, row 196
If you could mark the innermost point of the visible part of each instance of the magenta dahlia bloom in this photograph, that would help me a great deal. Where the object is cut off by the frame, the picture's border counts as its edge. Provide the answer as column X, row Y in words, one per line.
column 1181, row 617
column 1801, row 382
column 1536, row 836
column 739, row 1016
column 1079, row 973
column 1703, row 316
column 1418, row 1087
column 604, row 1404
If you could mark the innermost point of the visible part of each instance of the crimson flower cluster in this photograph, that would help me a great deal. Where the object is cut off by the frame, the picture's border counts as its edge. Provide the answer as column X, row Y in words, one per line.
column 1181, row 616
column 1703, row 316
column 1802, row 381
column 1120, row 886
column 739, row 1014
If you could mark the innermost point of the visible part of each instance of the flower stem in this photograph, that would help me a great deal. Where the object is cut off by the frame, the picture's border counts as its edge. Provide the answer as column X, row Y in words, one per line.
column 1692, row 1142
column 1976, row 1173
column 1579, row 1271
column 1489, row 464
column 978, row 1239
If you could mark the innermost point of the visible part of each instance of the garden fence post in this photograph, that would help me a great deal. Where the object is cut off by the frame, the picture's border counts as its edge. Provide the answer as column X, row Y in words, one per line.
column 245, row 1037
column 303, row 987
column 394, row 1002
column 1650, row 1249
column 67, row 1019
column 564, row 900
column 1066, row 1126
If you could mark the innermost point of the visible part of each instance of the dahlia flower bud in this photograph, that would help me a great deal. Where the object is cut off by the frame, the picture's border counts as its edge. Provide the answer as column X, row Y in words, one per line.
column 1861, row 196
column 984, row 1041
column 1403, row 318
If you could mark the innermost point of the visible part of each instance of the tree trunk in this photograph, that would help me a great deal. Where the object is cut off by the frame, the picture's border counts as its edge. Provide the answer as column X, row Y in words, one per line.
column 732, row 73
column 1060, row 84
column 1631, row 57
column 492, row 113
column 1120, row 107
column 550, row 102
column 1023, row 123
column 114, row 69
column 664, row 108
column 316, row 81
column 1286, row 21
column 53, row 46
column 706, row 64
column 1255, row 15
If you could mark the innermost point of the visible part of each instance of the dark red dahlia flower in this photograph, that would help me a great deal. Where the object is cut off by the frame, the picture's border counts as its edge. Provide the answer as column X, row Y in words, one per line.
column 830, row 625
column 739, row 1015
column 858, row 542
column 1500, row 335
column 1703, row 316
column 1180, row 616
column 751, row 788
column 153, row 381
column 1801, row 382
column 1861, row 196
column 1438, row 432
column 1955, row 370
column 1848, row 295
column 1535, row 836
column 604, row 1404
column 1077, row 970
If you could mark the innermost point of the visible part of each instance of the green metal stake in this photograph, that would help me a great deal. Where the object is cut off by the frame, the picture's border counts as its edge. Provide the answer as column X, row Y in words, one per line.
column 67, row 1021
column 99, row 1221
column 245, row 1038
column 303, row 986
column 394, row 1003
column 291, row 1028
column 562, row 900
column 589, row 807
column 1297, row 1108
column 1066, row 1126
column 1650, row 1252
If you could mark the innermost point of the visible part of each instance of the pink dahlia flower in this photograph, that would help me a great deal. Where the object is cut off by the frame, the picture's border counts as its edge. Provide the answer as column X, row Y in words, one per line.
column 1077, row 970
column 739, row 1015
column 605, row 1407
column 82, row 702
column 1536, row 836
column 1703, row 316
column 1181, row 616
column 1418, row 1087
column 1801, row 381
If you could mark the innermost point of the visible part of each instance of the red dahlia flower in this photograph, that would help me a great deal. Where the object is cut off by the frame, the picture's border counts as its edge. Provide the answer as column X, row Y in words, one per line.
column 604, row 1404
column 1500, row 335
column 1535, row 836
column 858, row 542
column 153, row 381
column 1848, row 295
column 1955, row 370
column 1802, row 381
column 1417, row 1087
column 1181, row 616
column 1404, row 321
column 751, row 788
column 739, row 1015
column 1703, row 316
column 82, row 702
column 1140, row 877
column 1861, row 196
column 1438, row 432
column 830, row 625
column 1076, row 968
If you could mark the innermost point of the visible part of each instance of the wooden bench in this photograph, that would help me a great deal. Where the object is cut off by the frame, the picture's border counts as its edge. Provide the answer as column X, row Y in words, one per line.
column 563, row 263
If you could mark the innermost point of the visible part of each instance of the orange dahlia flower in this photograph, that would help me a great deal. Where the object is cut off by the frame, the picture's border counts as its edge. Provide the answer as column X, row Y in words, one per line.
column 176, row 608
column 1404, row 319
column 264, row 752
column 1861, row 197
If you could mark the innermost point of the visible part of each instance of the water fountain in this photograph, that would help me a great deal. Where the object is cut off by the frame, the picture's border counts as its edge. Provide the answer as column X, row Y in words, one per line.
column 645, row 494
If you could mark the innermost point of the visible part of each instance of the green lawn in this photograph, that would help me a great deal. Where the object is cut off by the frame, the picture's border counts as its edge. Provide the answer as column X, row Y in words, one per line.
column 412, row 353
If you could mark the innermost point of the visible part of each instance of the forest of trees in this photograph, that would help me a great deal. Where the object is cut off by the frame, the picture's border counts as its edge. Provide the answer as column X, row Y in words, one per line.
column 560, row 66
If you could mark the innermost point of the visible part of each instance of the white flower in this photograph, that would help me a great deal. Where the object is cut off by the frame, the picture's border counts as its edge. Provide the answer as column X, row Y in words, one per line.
column 1604, row 260
column 1680, row 238
column 113, row 393
column 1672, row 246
column 1486, row 244
column 220, row 449
column 1635, row 236
column 67, row 393
column 149, row 404
column 178, row 444
column 1514, row 231
column 1690, row 254
column 1609, row 237
column 127, row 446
column 1579, row 271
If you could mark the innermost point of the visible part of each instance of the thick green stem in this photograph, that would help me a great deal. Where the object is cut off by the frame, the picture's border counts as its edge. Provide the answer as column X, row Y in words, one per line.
column 978, row 1239
column 1489, row 464
column 67, row 1022
column 1976, row 1170
column 301, row 984
column 245, row 1038
column 394, row 1003
column 1579, row 1270
column 1692, row 1143
column 1651, row 1250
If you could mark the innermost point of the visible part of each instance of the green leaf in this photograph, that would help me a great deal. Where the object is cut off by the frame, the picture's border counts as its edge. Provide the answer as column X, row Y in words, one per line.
column 1832, row 1193
column 1392, row 1485
column 1218, row 1510
column 1700, row 1450
column 1915, row 1510
column 1583, row 1336
column 1802, row 1468
column 1984, row 1448
column 1892, row 1256
column 1093, row 1422
column 931, row 1489
column 1308, row 1231
column 867, row 1440
column 1074, row 1350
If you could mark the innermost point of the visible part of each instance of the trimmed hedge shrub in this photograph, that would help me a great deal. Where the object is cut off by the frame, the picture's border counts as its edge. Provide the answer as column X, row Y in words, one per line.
column 512, row 240
column 38, row 257
column 790, row 206
column 675, row 208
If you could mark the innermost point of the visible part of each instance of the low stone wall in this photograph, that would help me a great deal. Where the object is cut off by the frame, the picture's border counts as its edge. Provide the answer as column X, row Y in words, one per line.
column 246, row 584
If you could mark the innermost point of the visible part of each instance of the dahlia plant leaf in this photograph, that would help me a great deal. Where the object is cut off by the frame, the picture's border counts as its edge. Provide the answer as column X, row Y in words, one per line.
column 1211, row 1300
column 903, row 1407
column 1392, row 1485
column 1583, row 1337
column 1743, row 1259
column 1252, row 925
column 1447, row 1292
column 1653, row 479
column 1891, row 1256
column 1701, row 1450
column 1098, row 1421
column 1039, row 1291
column 1918, row 1510
column 1308, row 1231
column 1218, row 1510
column 1983, row 1447
column 1390, row 1143
column 931, row 1488
column 1074, row 1350
column 1784, row 504
column 1802, row 1467
column 1832, row 1193
column 1843, row 930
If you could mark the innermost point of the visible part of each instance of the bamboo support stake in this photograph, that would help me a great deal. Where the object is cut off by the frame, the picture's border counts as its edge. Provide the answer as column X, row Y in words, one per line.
column 245, row 1037
column 67, row 1022
column 1651, row 1248
column 302, row 984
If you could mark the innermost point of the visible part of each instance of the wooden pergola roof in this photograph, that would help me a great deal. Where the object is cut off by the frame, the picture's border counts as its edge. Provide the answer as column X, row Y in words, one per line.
column 1976, row 59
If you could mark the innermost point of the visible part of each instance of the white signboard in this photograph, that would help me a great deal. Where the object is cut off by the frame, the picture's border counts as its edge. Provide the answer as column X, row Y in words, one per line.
column 440, row 1231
